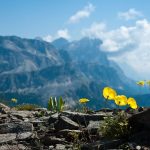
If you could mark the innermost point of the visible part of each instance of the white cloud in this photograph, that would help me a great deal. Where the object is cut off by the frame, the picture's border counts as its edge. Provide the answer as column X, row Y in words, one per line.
column 130, row 14
column 84, row 13
column 132, row 41
column 64, row 33
column 48, row 38
column 96, row 30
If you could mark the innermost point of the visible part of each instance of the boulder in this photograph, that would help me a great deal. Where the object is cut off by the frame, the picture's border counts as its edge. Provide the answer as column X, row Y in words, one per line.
column 16, row 127
column 65, row 123
column 4, row 108
column 8, row 137
column 24, row 135
column 141, row 120
column 53, row 118
column 102, row 145
column 83, row 118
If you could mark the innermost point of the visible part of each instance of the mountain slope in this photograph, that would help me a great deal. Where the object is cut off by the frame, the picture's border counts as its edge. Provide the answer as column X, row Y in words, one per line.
column 37, row 68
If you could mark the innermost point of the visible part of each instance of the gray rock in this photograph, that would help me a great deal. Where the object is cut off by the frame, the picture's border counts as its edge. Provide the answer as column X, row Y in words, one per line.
column 3, row 106
column 7, row 137
column 140, row 120
column 16, row 127
column 13, row 147
column 53, row 118
column 22, row 114
column 23, row 136
column 102, row 145
column 60, row 147
column 66, row 132
column 65, row 123
column 50, row 140
column 83, row 118
column 93, row 126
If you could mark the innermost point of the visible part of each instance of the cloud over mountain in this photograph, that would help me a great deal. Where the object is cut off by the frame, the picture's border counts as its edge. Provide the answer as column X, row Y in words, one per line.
column 132, row 41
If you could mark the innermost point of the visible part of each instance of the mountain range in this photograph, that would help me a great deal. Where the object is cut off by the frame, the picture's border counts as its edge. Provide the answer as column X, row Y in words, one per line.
column 33, row 70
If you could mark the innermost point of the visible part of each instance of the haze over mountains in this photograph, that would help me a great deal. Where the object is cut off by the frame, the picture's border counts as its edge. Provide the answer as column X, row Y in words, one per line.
column 33, row 70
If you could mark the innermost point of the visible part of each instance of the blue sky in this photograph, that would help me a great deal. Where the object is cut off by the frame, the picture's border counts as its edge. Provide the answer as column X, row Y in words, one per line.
column 31, row 18
column 122, row 25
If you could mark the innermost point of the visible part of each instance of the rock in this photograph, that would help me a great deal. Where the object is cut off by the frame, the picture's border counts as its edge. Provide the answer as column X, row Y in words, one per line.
column 102, row 145
column 13, row 147
column 141, row 120
column 22, row 114
column 53, row 118
column 16, row 127
column 65, row 123
column 51, row 147
column 4, row 108
column 7, row 137
column 37, row 122
column 83, row 118
column 23, row 136
column 40, row 109
column 93, row 126
column 60, row 147
column 50, row 140
column 65, row 133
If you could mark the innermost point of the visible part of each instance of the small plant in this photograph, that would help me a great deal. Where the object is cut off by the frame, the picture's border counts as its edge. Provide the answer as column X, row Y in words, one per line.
column 28, row 107
column 75, row 138
column 56, row 105
column 115, row 127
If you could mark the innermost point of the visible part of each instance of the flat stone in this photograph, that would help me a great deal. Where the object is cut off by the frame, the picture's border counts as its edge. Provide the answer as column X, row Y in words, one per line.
column 53, row 118
column 23, row 136
column 65, row 123
column 141, row 120
column 60, row 147
column 102, row 145
column 7, row 137
column 16, row 127
column 66, row 132
column 50, row 140
column 13, row 147
column 22, row 114
column 93, row 126
column 83, row 118
column 3, row 106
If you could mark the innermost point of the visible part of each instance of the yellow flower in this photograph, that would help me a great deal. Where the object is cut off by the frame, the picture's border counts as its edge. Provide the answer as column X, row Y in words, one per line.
column 83, row 100
column 132, row 103
column 121, row 100
column 14, row 100
column 134, row 106
column 140, row 83
column 148, row 82
column 109, row 93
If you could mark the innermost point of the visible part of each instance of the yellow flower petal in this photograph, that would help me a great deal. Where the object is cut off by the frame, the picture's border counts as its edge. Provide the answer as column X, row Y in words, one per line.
column 83, row 100
column 14, row 100
column 134, row 106
column 148, row 82
column 131, row 101
column 141, row 83
column 109, row 93
column 121, row 100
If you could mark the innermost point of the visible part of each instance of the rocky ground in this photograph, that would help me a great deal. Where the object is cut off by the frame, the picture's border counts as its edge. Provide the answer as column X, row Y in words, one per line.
column 45, row 130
